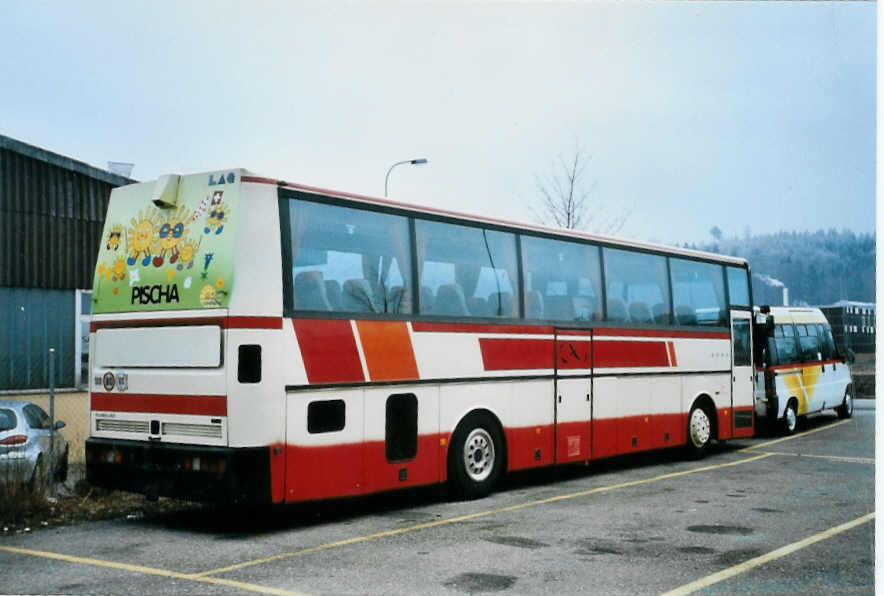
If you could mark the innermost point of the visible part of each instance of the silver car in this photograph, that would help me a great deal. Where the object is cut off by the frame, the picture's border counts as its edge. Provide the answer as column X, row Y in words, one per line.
column 24, row 444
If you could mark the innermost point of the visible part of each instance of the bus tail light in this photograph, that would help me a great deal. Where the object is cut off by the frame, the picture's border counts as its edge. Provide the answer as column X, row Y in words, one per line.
column 15, row 440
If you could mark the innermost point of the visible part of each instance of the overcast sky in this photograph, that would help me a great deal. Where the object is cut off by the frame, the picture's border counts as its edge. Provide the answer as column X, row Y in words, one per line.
column 758, row 115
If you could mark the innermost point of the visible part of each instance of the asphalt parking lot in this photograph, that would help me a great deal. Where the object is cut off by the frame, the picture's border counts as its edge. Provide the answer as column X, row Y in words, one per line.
column 768, row 514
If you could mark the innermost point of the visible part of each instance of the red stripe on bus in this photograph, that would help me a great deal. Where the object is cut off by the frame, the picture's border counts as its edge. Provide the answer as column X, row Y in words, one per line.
column 422, row 326
column 235, row 322
column 672, row 361
column 618, row 332
column 197, row 405
column 329, row 351
column 254, row 323
column 533, row 354
column 516, row 354
column 629, row 354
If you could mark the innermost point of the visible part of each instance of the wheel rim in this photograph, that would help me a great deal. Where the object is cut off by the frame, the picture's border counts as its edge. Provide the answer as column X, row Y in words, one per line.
column 478, row 454
column 700, row 428
column 791, row 418
column 848, row 403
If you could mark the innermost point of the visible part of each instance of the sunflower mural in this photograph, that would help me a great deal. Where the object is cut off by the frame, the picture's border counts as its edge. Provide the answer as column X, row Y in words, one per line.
column 141, row 236
column 151, row 256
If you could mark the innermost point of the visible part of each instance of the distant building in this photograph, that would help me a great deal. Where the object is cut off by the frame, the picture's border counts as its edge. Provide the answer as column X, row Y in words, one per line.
column 52, row 212
column 853, row 324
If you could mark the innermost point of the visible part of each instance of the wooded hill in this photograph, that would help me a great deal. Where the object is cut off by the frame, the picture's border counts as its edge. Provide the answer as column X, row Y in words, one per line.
column 819, row 268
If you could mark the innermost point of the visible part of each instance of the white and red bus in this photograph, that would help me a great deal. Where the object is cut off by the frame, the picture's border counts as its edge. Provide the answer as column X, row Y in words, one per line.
column 256, row 340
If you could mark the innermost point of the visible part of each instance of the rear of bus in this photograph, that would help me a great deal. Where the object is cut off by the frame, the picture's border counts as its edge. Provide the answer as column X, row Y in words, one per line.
column 182, row 306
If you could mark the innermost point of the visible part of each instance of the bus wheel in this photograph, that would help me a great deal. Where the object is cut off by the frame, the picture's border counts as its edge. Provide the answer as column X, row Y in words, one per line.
column 699, row 432
column 475, row 458
column 845, row 410
column 790, row 418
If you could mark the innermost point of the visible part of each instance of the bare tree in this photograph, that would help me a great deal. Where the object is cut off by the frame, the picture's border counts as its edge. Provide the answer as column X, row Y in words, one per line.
column 564, row 198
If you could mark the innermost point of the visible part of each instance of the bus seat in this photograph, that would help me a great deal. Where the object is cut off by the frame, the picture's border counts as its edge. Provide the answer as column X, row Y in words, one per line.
column 428, row 300
column 478, row 306
column 617, row 310
column 394, row 300
column 639, row 312
column 533, row 305
column 333, row 291
column 661, row 314
column 560, row 308
column 586, row 308
column 450, row 301
column 357, row 296
column 310, row 291
column 685, row 315
column 500, row 304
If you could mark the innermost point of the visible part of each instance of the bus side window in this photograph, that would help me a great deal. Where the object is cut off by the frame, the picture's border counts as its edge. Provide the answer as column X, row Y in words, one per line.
column 326, row 416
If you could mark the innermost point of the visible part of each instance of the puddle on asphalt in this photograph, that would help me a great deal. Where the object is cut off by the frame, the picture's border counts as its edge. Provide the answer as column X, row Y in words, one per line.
column 516, row 541
column 719, row 529
column 480, row 582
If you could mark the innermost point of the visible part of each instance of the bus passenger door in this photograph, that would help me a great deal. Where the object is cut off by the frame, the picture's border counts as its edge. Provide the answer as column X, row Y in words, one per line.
column 742, row 374
column 573, row 395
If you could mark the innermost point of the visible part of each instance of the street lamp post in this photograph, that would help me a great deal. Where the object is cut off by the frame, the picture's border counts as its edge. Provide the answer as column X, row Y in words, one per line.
column 414, row 162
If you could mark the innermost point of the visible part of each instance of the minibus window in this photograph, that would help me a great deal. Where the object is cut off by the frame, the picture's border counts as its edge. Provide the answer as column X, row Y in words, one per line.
column 787, row 350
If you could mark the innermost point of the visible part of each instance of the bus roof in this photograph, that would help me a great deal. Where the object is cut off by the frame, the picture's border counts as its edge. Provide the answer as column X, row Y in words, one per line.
column 612, row 240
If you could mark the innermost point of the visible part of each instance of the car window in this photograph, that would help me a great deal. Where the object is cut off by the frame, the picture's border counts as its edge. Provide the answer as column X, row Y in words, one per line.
column 36, row 417
column 8, row 421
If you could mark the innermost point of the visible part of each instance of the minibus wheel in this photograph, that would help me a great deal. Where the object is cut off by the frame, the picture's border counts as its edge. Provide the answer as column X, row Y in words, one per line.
column 476, row 456
column 790, row 418
column 845, row 410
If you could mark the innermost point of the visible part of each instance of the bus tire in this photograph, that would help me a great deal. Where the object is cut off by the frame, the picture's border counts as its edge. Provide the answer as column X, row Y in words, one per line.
column 700, row 431
column 476, row 456
column 789, row 421
column 845, row 410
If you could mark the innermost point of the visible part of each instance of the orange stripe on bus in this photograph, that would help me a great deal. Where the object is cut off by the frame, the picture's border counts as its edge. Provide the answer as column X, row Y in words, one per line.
column 671, row 346
column 388, row 352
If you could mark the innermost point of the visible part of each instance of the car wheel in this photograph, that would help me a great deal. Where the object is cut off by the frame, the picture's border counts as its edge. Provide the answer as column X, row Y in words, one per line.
column 699, row 431
column 790, row 418
column 845, row 410
column 476, row 456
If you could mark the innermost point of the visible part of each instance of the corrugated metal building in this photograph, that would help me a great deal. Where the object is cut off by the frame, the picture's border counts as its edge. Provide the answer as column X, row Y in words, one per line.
column 52, row 212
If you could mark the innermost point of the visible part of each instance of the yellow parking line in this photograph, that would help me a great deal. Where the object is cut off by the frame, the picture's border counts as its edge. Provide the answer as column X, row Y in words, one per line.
column 844, row 458
column 149, row 571
column 470, row 516
column 761, row 560
column 795, row 436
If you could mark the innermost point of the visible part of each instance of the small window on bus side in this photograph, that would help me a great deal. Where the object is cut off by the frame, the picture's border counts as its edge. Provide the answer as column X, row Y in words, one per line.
column 563, row 280
column 809, row 343
column 738, row 286
column 636, row 288
column 828, row 342
column 348, row 260
column 466, row 271
column 401, row 427
column 787, row 349
column 741, row 342
column 326, row 416
column 697, row 292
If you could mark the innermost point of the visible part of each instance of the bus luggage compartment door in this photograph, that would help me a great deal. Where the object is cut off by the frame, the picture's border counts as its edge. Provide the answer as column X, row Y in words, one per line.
column 573, row 395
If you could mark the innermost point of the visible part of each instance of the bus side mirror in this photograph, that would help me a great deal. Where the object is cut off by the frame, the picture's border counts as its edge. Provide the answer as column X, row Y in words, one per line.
column 851, row 357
